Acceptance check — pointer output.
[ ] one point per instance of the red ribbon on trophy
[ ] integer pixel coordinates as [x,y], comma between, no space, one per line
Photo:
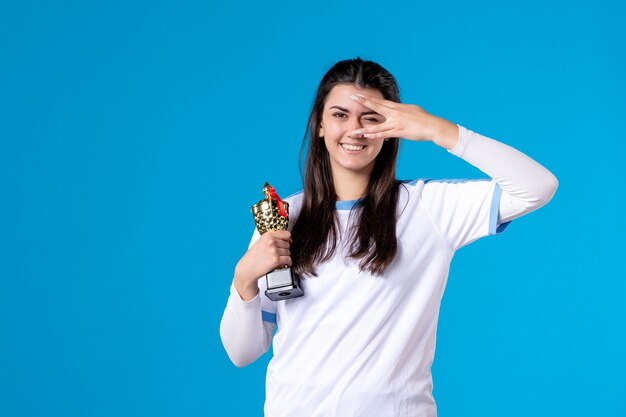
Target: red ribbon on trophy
[271,194]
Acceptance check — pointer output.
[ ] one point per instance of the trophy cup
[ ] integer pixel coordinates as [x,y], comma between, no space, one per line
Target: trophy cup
[272,213]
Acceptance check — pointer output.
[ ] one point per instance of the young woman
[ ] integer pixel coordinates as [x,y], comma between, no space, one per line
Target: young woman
[374,253]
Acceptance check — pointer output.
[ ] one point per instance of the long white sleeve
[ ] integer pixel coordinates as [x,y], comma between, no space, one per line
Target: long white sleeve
[526,185]
[244,334]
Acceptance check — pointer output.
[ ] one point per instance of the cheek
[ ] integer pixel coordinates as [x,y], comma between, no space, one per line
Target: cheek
[377,146]
[332,130]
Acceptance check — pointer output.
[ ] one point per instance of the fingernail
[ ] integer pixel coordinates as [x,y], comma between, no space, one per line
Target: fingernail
[357,132]
[353,97]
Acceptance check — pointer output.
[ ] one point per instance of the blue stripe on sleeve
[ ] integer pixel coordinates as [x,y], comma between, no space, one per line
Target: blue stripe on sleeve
[494,228]
[268,317]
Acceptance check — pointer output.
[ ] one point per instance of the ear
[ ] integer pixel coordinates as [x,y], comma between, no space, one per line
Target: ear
[321,134]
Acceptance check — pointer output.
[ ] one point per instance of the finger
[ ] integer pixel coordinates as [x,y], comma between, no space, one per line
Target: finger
[383,127]
[376,104]
[284,260]
[378,108]
[283,251]
[281,234]
[280,243]
[381,135]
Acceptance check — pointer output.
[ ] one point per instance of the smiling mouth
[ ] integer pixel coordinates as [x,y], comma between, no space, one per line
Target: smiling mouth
[352,147]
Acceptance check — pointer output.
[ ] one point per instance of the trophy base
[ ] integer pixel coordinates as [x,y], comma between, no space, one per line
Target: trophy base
[283,284]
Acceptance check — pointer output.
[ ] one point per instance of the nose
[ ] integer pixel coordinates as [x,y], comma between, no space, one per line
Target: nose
[354,126]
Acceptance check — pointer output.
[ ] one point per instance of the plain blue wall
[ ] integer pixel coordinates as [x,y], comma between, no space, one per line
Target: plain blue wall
[136,136]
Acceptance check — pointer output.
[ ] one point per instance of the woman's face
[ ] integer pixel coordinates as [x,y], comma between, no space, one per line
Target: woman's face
[341,116]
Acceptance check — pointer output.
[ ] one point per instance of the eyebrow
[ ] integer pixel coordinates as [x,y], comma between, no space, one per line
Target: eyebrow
[348,111]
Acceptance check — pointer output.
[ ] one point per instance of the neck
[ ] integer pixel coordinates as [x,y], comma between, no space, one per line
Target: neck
[350,185]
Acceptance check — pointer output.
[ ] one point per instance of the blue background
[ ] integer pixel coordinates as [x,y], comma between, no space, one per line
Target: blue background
[136,136]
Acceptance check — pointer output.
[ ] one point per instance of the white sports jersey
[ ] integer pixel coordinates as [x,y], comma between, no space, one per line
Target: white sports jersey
[357,344]
[363,345]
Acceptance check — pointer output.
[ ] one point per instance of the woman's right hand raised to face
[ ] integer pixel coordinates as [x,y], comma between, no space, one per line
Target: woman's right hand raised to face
[269,252]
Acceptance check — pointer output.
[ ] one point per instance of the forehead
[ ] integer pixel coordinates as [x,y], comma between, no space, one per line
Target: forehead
[340,94]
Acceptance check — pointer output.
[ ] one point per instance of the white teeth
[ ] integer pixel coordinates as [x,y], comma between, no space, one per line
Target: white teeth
[352,147]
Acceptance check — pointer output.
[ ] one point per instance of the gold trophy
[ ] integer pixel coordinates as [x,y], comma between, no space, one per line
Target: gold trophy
[272,213]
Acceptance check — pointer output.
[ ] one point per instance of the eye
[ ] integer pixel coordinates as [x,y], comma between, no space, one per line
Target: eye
[371,119]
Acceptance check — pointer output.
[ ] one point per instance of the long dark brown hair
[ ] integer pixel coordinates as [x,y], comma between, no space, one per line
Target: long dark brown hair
[315,233]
